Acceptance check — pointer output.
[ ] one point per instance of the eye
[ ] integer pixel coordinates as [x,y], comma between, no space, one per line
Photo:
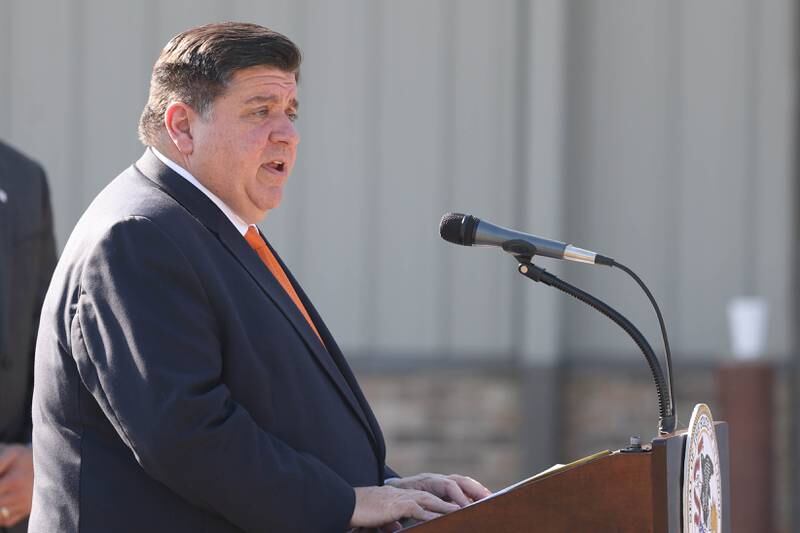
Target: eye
[261,112]
[292,115]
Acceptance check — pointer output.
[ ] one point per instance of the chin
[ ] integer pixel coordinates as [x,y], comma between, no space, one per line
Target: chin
[272,201]
[265,202]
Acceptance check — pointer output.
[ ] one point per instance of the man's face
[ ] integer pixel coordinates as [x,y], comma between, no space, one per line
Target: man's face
[245,149]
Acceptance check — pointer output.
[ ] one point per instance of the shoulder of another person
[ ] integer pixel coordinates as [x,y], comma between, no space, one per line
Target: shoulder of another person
[19,164]
[21,178]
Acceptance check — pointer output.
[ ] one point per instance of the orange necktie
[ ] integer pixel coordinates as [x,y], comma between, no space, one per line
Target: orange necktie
[258,244]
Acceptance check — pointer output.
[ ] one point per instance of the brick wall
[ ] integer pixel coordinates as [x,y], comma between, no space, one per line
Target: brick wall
[469,420]
[449,421]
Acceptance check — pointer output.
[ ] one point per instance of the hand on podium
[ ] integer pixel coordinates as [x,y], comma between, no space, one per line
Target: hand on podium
[16,483]
[461,490]
[422,497]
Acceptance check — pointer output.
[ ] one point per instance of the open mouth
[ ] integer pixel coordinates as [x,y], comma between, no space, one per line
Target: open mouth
[277,164]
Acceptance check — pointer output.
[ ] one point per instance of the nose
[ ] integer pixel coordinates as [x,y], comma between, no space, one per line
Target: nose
[285,132]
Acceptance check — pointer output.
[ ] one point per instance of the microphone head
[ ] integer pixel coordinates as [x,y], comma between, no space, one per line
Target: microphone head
[458,228]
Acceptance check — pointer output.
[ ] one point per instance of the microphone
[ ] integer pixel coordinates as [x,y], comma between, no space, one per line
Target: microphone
[468,230]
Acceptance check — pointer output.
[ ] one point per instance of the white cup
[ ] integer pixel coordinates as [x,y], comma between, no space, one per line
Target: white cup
[747,323]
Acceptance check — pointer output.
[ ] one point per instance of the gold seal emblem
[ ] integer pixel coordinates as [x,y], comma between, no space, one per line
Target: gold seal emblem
[702,488]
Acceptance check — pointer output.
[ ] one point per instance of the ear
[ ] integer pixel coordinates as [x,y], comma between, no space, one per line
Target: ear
[178,121]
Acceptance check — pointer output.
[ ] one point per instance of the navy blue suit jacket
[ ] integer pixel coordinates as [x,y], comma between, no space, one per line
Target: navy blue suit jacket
[178,388]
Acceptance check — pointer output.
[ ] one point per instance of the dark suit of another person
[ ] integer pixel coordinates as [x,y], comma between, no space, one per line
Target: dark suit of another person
[177,374]
[27,259]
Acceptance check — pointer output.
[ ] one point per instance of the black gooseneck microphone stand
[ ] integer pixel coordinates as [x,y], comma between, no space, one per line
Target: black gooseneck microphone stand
[524,253]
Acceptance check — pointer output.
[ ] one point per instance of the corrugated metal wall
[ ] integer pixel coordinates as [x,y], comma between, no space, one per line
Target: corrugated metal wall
[657,132]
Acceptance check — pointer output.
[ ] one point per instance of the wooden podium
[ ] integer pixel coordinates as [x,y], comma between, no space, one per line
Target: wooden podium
[613,491]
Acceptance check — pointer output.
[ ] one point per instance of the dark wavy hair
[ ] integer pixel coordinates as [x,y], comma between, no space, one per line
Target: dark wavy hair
[196,65]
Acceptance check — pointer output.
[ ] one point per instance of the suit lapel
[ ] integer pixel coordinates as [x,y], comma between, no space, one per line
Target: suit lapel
[202,208]
[5,256]
[368,418]
[252,263]
[329,356]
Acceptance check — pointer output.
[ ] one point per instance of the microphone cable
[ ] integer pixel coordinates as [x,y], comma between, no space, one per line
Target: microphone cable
[668,354]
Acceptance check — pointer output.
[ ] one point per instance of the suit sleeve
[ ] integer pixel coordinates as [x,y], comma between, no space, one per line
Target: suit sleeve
[46,263]
[388,473]
[148,349]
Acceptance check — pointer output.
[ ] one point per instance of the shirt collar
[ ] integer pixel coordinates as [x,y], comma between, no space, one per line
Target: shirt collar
[235,219]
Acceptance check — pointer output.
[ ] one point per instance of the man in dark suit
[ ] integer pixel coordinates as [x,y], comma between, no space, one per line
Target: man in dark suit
[184,381]
[27,259]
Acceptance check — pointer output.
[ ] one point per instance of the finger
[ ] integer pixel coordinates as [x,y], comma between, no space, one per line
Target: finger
[15,519]
[16,504]
[6,459]
[420,513]
[6,488]
[471,488]
[451,489]
[434,503]
[391,528]
[8,500]
[7,515]
[10,486]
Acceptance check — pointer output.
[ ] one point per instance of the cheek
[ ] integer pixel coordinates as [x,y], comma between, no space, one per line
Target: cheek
[253,144]
[218,147]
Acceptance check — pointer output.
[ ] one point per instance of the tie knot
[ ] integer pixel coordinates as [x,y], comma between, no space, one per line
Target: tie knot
[254,239]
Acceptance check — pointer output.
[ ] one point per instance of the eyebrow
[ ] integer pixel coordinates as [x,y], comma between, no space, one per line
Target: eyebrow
[270,100]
